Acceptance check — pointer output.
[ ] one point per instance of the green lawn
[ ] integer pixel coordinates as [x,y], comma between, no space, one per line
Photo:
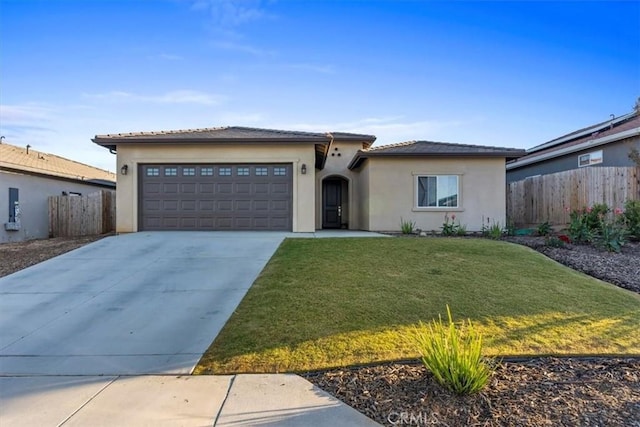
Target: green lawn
[323,303]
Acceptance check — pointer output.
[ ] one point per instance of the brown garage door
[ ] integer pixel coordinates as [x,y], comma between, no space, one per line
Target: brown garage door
[215,197]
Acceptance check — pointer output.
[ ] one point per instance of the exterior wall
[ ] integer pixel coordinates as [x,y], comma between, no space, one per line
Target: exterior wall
[613,154]
[393,191]
[34,192]
[363,199]
[135,154]
[338,158]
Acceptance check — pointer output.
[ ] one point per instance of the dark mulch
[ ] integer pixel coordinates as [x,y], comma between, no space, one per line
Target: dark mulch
[621,269]
[536,392]
[19,255]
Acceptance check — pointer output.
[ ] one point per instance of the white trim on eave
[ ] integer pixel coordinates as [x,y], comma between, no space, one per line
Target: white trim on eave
[574,148]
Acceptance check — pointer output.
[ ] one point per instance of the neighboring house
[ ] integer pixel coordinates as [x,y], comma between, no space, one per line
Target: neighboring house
[605,144]
[236,178]
[27,179]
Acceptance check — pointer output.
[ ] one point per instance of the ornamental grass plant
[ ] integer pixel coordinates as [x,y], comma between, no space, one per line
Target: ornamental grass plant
[454,354]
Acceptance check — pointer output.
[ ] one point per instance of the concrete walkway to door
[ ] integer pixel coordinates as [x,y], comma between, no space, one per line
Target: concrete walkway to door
[109,333]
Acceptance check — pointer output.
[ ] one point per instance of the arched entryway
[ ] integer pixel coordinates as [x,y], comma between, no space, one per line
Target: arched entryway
[335,202]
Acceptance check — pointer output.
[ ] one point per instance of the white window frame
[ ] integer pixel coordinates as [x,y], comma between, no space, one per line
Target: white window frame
[437,208]
[589,159]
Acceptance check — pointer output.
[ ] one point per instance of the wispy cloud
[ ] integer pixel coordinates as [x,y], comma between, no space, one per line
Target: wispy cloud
[231,13]
[17,114]
[166,57]
[173,97]
[388,129]
[242,48]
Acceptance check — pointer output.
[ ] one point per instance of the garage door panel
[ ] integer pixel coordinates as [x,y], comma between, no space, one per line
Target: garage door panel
[216,197]
[205,188]
[188,188]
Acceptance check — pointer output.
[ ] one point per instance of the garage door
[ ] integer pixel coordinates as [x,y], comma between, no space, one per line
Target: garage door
[216,197]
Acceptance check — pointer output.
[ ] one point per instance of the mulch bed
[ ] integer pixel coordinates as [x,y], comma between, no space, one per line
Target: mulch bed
[536,392]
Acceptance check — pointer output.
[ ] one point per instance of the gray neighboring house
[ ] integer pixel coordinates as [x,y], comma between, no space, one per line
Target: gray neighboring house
[27,179]
[604,144]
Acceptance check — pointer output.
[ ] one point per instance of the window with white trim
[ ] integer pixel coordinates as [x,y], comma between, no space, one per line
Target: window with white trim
[589,159]
[438,191]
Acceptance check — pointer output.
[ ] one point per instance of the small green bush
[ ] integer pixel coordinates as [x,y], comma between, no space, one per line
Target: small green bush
[631,218]
[579,230]
[454,356]
[407,227]
[450,228]
[612,236]
[595,215]
[554,242]
[544,229]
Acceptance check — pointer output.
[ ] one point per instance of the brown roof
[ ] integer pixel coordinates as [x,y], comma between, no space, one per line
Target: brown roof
[17,159]
[600,130]
[434,149]
[234,134]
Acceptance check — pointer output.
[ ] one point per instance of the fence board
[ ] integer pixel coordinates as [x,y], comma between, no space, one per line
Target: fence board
[71,216]
[548,197]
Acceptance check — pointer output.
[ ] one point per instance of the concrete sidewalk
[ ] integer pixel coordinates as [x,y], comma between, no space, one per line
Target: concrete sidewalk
[229,400]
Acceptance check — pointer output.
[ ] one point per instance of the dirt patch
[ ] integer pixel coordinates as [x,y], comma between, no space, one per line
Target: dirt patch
[536,392]
[20,255]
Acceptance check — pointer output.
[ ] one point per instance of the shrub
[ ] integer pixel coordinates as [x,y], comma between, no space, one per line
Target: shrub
[631,218]
[450,228]
[544,229]
[454,356]
[407,227]
[594,216]
[579,230]
[612,236]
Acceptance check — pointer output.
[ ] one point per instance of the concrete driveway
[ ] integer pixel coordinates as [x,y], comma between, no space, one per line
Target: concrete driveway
[141,303]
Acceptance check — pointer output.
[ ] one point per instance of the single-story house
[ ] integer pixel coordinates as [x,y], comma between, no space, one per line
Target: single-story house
[238,178]
[27,179]
[608,143]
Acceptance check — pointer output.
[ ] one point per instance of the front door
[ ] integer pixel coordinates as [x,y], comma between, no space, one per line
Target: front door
[331,203]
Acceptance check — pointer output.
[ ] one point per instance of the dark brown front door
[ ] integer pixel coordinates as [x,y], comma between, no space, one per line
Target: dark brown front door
[331,203]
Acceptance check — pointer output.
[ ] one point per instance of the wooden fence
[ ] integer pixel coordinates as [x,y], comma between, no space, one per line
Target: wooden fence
[550,197]
[82,215]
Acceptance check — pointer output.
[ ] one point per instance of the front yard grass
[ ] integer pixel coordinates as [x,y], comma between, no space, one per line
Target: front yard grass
[323,303]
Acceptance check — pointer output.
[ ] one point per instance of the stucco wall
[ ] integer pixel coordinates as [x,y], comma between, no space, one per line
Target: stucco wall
[135,154]
[614,154]
[393,189]
[34,192]
[338,158]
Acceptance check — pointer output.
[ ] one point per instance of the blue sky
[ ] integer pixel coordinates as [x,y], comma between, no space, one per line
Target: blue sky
[503,73]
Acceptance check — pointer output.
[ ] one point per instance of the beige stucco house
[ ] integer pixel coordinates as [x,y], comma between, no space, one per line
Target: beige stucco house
[237,178]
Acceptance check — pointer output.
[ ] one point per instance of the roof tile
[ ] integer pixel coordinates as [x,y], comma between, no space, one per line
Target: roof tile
[17,158]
